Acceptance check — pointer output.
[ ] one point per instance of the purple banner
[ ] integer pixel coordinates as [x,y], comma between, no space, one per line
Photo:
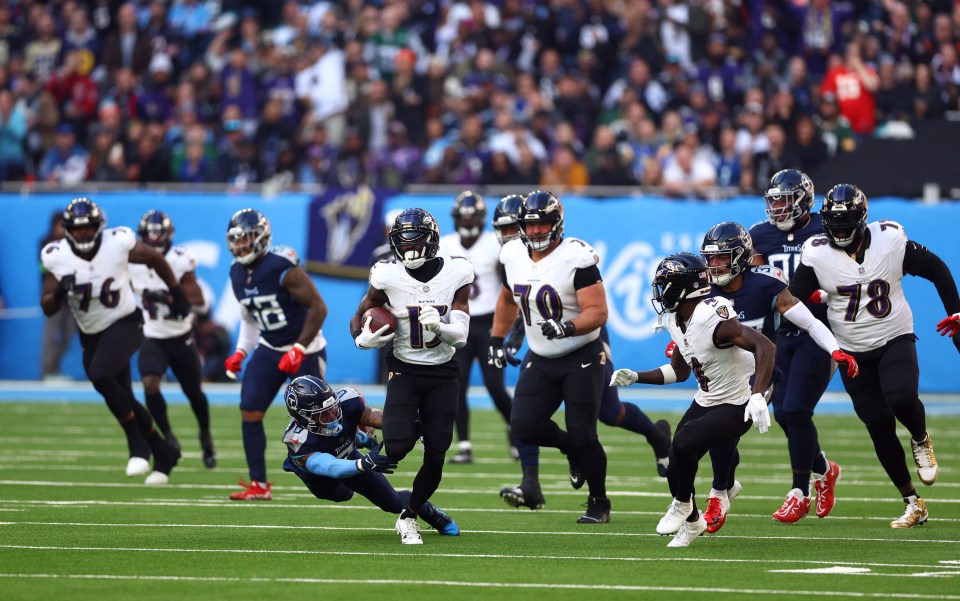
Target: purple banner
[345,226]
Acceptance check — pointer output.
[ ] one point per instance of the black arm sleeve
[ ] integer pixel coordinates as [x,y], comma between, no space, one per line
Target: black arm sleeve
[919,261]
[586,276]
[804,282]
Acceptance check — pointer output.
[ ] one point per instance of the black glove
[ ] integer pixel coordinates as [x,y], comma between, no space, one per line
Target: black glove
[495,353]
[179,305]
[554,329]
[64,286]
[156,296]
[514,342]
[375,462]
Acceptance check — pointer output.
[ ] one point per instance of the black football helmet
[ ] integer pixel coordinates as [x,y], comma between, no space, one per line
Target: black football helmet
[732,242]
[540,206]
[789,198]
[679,277]
[844,215]
[314,405]
[469,214]
[415,237]
[83,224]
[248,235]
[505,218]
[156,229]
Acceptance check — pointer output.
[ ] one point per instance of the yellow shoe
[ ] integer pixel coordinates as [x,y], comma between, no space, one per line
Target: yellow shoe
[915,514]
[923,456]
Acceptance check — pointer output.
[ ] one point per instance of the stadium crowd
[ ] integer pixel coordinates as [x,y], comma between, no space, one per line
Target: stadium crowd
[561,93]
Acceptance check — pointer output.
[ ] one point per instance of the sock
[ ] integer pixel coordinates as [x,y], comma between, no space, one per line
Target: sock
[801,480]
[158,409]
[720,494]
[694,514]
[408,513]
[637,421]
[136,444]
[255,447]
[911,498]
[464,446]
[531,476]
[529,454]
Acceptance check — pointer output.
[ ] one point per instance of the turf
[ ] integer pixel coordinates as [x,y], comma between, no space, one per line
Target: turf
[73,526]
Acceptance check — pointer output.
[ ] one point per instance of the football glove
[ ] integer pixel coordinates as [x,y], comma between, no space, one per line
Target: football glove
[430,318]
[513,343]
[179,305]
[496,356]
[367,339]
[291,360]
[852,368]
[554,329]
[234,363]
[156,296]
[818,297]
[950,325]
[375,462]
[64,286]
[623,377]
[756,410]
[365,440]
[670,348]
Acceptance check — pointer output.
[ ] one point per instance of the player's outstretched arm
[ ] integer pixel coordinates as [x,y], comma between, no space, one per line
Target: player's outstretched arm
[303,290]
[919,261]
[731,331]
[504,316]
[152,258]
[798,313]
[676,370]
[192,289]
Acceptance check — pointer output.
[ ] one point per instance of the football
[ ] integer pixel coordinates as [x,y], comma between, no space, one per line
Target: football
[379,317]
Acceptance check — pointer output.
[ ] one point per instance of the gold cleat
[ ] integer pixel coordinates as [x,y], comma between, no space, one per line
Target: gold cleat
[926,461]
[915,514]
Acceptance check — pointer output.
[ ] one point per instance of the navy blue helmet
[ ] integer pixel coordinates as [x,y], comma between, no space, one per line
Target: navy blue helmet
[469,214]
[844,215]
[314,405]
[156,229]
[541,206]
[679,277]
[248,235]
[788,199]
[731,243]
[505,218]
[415,237]
[83,214]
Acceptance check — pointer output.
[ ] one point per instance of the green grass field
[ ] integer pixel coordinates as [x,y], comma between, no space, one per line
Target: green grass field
[72,526]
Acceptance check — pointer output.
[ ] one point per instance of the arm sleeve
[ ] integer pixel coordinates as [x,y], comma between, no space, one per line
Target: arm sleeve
[249,332]
[804,282]
[455,332]
[801,316]
[324,464]
[919,261]
[586,276]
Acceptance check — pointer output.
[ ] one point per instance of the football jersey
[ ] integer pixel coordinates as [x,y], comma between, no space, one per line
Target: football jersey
[866,304]
[102,294]
[301,441]
[414,343]
[157,319]
[723,374]
[260,291]
[484,255]
[756,298]
[544,290]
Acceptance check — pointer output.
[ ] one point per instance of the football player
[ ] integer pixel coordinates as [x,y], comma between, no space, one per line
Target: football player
[282,313]
[482,250]
[761,298]
[722,354]
[429,296]
[861,267]
[322,450]
[87,269]
[168,338]
[554,283]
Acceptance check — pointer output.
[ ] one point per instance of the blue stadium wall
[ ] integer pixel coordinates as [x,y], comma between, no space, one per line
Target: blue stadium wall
[631,236]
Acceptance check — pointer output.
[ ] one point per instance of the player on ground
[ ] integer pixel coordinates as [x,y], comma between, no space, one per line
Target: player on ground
[88,269]
[168,338]
[722,354]
[282,313]
[429,296]
[322,450]
[861,267]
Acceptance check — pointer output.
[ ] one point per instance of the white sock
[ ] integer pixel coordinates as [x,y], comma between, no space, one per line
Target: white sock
[465,446]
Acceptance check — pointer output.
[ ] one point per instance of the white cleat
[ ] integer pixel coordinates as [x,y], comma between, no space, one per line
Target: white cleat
[409,531]
[923,456]
[734,491]
[689,532]
[157,479]
[673,520]
[137,466]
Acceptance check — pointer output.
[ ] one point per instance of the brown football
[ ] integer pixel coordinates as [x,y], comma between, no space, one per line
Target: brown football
[379,317]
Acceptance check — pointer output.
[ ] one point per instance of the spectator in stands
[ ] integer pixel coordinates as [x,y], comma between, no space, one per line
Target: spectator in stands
[776,158]
[398,163]
[66,162]
[854,84]
[75,91]
[42,53]
[720,73]
[808,146]
[929,99]
[13,133]
[728,161]
[126,47]
[687,173]
[834,127]
[81,37]
[893,96]
[154,103]
[191,21]
[565,171]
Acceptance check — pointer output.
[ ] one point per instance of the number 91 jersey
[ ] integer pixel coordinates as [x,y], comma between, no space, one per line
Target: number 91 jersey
[545,290]
[102,294]
[158,323]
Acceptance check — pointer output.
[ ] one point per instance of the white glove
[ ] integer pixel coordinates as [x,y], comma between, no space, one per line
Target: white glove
[756,410]
[368,339]
[430,318]
[623,377]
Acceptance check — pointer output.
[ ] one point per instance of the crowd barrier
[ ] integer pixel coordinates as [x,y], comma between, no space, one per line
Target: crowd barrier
[631,235]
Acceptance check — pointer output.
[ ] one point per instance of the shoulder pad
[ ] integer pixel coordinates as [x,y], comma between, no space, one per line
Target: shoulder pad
[585,255]
[287,253]
[182,256]
[889,227]
[348,393]
[758,224]
[50,255]
[295,436]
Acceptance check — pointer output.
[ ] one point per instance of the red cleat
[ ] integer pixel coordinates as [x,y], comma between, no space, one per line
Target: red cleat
[824,489]
[715,515]
[255,491]
[795,507]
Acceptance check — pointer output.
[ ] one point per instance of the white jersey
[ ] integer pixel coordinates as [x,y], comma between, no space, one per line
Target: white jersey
[485,257]
[544,290]
[723,374]
[102,294]
[157,319]
[866,305]
[414,343]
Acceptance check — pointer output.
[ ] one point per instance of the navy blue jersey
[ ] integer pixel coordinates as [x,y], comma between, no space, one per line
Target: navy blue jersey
[260,291]
[754,302]
[301,442]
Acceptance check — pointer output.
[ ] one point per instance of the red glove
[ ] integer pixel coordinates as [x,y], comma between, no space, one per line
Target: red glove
[669,351]
[291,361]
[818,297]
[852,368]
[950,325]
[234,363]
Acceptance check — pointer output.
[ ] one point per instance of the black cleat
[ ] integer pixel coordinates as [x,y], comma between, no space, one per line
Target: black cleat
[437,519]
[598,511]
[171,439]
[209,453]
[577,479]
[516,496]
[661,446]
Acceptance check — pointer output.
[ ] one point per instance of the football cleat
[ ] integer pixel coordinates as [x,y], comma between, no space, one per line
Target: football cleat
[409,531]
[688,532]
[209,453]
[676,516]
[464,456]
[661,447]
[795,507]
[517,496]
[255,491]
[734,491]
[598,511]
[926,461]
[137,466]
[576,476]
[157,479]
[716,513]
[914,514]
[171,439]
[438,520]
[824,488]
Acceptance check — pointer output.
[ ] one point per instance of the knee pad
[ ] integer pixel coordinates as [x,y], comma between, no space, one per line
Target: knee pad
[398,448]
[521,428]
